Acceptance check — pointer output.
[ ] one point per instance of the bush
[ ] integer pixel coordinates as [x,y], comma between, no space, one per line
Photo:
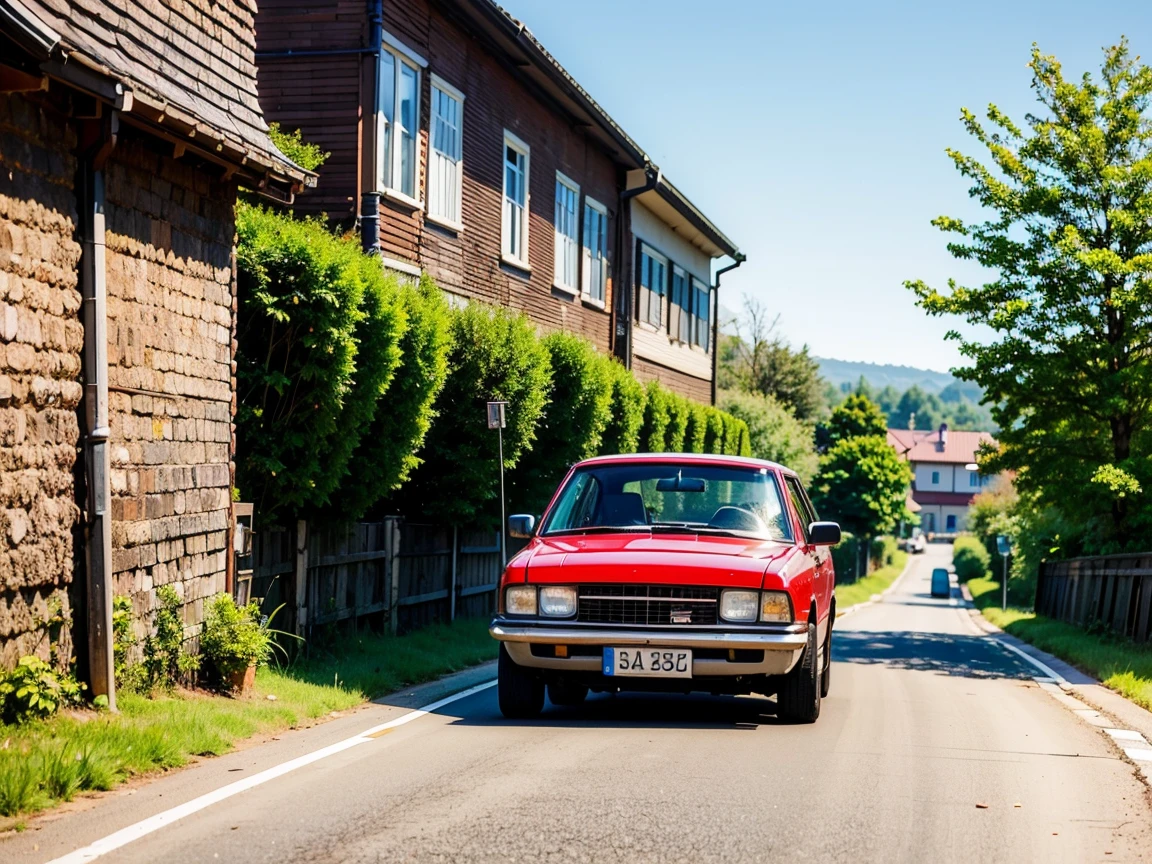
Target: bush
[626,412]
[572,423]
[33,691]
[774,433]
[679,411]
[654,432]
[319,327]
[130,676]
[970,558]
[235,637]
[883,552]
[305,154]
[733,429]
[696,432]
[846,558]
[495,355]
[714,430]
[388,451]
[164,659]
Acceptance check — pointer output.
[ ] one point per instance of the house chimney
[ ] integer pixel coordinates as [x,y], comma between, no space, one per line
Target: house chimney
[942,443]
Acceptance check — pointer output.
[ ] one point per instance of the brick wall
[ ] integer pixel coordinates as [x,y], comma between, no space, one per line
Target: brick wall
[41,340]
[170,296]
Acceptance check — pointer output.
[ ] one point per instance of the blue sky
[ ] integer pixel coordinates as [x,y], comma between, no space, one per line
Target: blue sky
[813,134]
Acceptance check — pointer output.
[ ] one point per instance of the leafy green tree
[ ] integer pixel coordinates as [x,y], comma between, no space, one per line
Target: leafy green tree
[774,433]
[1070,239]
[626,412]
[863,484]
[319,328]
[495,356]
[856,416]
[572,424]
[389,449]
[760,360]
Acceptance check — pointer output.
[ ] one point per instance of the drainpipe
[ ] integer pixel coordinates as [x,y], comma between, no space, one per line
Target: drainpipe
[370,201]
[737,259]
[101,135]
[622,330]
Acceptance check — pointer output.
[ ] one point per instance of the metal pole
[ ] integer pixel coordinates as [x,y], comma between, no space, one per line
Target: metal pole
[1004,602]
[503,519]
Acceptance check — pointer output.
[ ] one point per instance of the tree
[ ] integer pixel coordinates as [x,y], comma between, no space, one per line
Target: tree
[863,484]
[774,433]
[495,356]
[855,417]
[760,360]
[1070,239]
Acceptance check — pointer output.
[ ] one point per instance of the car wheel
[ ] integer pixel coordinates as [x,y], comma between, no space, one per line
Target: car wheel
[826,675]
[566,692]
[520,690]
[798,700]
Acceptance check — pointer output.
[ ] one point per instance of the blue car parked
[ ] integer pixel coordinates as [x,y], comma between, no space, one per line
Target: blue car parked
[941,587]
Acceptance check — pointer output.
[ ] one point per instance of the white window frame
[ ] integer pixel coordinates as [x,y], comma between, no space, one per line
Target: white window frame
[566,249]
[451,220]
[506,254]
[586,287]
[389,158]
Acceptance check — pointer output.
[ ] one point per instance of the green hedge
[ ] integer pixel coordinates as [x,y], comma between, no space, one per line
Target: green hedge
[319,330]
[495,355]
[657,416]
[572,424]
[626,411]
[970,558]
[883,552]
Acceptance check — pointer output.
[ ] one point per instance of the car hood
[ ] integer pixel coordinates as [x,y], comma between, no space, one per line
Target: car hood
[662,559]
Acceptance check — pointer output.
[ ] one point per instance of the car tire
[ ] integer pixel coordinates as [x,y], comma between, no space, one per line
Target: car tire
[520,690]
[798,699]
[826,675]
[565,692]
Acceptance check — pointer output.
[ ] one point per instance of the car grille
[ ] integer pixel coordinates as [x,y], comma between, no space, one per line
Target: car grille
[659,605]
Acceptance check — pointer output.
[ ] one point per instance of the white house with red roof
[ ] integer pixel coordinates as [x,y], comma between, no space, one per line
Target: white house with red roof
[943,485]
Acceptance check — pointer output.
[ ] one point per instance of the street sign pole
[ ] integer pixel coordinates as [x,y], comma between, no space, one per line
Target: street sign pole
[1004,547]
[496,421]
[1004,600]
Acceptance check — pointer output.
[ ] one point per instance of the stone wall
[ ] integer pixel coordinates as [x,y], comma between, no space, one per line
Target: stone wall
[171,227]
[41,339]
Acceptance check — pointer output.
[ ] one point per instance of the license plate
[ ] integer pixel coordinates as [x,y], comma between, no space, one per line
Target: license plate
[648,662]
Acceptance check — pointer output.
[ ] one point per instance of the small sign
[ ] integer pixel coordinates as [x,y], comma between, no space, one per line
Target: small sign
[496,415]
[1003,545]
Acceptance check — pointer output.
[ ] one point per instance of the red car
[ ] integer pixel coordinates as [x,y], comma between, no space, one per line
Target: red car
[670,572]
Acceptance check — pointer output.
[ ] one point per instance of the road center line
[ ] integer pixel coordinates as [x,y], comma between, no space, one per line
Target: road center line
[154,823]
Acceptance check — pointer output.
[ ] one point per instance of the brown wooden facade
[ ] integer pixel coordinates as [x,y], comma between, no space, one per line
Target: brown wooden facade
[320,70]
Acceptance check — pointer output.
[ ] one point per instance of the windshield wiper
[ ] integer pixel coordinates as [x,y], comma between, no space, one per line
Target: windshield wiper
[601,529]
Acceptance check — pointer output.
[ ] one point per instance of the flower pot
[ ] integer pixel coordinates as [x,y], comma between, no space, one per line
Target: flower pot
[241,680]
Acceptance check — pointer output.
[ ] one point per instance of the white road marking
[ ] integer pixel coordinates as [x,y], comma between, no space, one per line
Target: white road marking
[1138,754]
[154,823]
[1126,735]
[1047,670]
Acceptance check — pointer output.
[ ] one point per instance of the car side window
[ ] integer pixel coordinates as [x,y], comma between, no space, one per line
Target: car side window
[800,502]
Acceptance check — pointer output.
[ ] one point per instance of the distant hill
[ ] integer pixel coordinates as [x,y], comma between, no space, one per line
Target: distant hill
[880,376]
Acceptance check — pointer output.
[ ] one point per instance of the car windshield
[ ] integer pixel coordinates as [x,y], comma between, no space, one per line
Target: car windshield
[671,497]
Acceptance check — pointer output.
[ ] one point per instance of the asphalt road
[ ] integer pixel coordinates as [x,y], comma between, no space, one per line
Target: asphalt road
[926,720]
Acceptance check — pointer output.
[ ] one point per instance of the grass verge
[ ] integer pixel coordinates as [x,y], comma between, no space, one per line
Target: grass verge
[1120,664]
[43,763]
[874,583]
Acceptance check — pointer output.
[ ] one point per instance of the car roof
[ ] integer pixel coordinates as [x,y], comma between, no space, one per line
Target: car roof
[685,459]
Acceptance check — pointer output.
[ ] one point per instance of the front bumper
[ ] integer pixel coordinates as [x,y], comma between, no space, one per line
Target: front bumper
[782,645]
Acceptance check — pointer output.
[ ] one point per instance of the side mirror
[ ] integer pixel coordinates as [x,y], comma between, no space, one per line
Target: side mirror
[521,525]
[824,533]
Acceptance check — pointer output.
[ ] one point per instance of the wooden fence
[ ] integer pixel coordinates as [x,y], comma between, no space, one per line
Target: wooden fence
[1115,590]
[405,574]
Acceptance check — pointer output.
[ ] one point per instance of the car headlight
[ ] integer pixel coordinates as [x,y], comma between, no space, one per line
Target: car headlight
[739,605]
[776,607]
[558,601]
[520,600]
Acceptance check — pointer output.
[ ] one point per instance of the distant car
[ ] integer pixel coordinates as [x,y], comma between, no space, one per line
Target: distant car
[941,584]
[670,572]
[918,545]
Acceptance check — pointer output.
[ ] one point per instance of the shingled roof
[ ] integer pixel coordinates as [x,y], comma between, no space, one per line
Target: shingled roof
[185,65]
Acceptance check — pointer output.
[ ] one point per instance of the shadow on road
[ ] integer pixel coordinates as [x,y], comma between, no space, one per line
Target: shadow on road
[944,654]
[647,710]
